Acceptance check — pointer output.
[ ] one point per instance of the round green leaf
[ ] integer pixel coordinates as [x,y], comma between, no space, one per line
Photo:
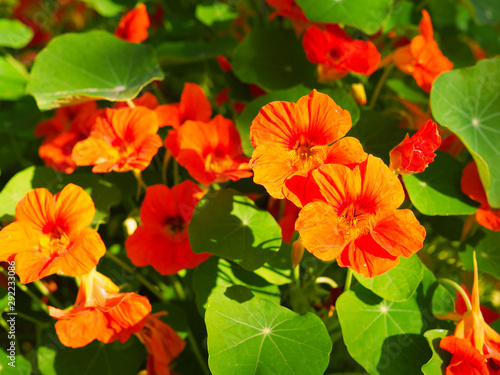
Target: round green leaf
[258,336]
[110,8]
[487,11]
[436,191]
[94,65]
[397,284]
[386,337]
[273,59]
[213,13]
[13,76]
[486,244]
[218,273]
[14,33]
[18,366]
[467,101]
[440,358]
[231,226]
[367,15]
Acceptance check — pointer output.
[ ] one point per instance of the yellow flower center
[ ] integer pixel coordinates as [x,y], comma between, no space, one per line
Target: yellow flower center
[354,221]
[55,241]
[306,158]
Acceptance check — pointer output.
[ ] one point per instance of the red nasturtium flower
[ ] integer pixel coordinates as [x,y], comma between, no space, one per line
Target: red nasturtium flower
[100,313]
[194,105]
[69,126]
[358,222]
[414,154]
[475,346]
[422,58]
[121,140]
[162,240]
[162,343]
[211,152]
[337,53]
[290,9]
[293,139]
[472,186]
[50,236]
[133,26]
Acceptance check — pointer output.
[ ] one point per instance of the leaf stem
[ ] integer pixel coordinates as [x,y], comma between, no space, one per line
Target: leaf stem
[166,159]
[459,289]
[380,84]
[327,280]
[348,280]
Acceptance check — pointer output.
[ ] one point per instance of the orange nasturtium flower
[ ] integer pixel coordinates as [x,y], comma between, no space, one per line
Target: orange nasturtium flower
[414,154]
[337,53]
[211,152]
[293,139]
[162,240]
[148,100]
[472,186]
[50,236]
[100,313]
[122,140]
[133,26]
[475,346]
[422,58]
[194,105]
[358,222]
[162,343]
[69,126]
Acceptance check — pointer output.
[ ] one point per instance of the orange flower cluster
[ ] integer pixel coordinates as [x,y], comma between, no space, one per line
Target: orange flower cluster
[162,240]
[338,54]
[472,186]
[49,235]
[475,346]
[422,58]
[209,149]
[349,199]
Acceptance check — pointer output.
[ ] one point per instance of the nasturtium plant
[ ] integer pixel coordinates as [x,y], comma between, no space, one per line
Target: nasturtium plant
[249,187]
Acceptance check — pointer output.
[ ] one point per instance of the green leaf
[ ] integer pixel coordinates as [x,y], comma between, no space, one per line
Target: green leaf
[172,53]
[486,244]
[110,8]
[18,366]
[406,92]
[13,76]
[216,273]
[400,15]
[88,66]
[103,193]
[216,12]
[273,59]
[436,191]
[378,133]
[467,101]
[278,270]
[14,33]
[366,15]
[19,119]
[487,11]
[382,336]
[258,336]
[231,226]
[399,283]
[440,358]
[443,299]
[96,358]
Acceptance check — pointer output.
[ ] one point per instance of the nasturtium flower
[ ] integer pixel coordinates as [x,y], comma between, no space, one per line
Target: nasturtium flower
[211,152]
[121,140]
[475,346]
[148,100]
[293,139]
[50,235]
[162,240]
[100,313]
[290,9]
[357,222]
[337,53]
[133,26]
[162,343]
[414,154]
[472,186]
[194,106]
[422,58]
[461,307]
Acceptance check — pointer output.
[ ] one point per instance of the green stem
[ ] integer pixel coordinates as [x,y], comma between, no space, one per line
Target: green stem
[348,280]
[176,173]
[166,159]
[327,280]
[43,289]
[179,290]
[28,292]
[141,278]
[459,289]
[30,319]
[380,84]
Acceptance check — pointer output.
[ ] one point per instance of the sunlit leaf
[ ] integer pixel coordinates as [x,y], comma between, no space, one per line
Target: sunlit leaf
[13,78]
[440,358]
[13,366]
[486,244]
[257,336]
[216,12]
[14,33]
[110,8]
[94,65]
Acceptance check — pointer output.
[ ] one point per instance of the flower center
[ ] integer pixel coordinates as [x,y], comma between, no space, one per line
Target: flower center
[174,225]
[354,221]
[306,158]
[219,163]
[55,239]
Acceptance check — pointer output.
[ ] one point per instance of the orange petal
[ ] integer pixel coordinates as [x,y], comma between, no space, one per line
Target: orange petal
[81,329]
[194,105]
[133,26]
[74,208]
[425,26]
[36,208]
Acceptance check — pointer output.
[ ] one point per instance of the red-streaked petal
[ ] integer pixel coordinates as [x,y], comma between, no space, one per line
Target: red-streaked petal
[74,208]
[36,208]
